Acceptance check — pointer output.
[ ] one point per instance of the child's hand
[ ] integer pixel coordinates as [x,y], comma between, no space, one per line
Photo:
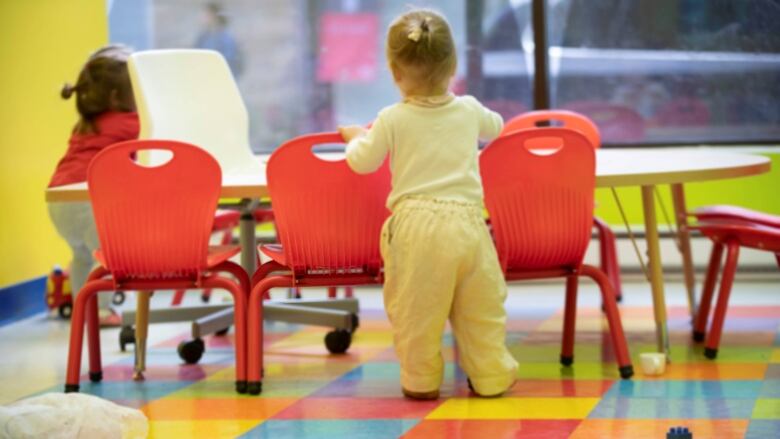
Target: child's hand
[350,132]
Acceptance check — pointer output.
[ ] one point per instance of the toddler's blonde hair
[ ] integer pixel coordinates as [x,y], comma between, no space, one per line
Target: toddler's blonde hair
[420,44]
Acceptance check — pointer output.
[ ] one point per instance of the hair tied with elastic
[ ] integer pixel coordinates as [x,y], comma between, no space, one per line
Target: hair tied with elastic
[67,91]
[417,32]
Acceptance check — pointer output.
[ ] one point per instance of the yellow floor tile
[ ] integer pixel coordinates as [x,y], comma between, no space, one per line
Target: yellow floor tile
[213,429]
[514,408]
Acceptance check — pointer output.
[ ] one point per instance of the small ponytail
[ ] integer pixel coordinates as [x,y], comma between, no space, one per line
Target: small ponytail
[67,90]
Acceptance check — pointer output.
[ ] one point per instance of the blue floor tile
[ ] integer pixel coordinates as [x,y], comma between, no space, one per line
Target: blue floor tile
[335,429]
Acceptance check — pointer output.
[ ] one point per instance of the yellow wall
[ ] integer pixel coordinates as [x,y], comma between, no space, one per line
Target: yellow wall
[42,44]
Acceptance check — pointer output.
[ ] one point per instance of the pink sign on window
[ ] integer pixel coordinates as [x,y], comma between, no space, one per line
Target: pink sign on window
[348,48]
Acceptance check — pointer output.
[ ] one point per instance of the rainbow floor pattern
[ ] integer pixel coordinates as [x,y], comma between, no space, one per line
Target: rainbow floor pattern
[308,393]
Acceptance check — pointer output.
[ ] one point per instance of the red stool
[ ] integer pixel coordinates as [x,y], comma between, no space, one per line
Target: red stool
[730,237]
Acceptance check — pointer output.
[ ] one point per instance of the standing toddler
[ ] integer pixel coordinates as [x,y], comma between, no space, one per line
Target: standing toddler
[440,262]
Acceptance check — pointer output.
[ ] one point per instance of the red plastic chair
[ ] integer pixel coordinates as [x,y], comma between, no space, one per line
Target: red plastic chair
[607,243]
[154,225]
[339,248]
[224,222]
[735,215]
[541,208]
[731,237]
[617,123]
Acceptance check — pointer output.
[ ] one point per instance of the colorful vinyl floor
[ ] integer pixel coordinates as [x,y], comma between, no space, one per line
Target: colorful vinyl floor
[310,394]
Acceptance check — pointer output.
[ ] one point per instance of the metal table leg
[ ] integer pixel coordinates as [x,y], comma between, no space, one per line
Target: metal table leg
[141,330]
[684,239]
[656,269]
[247,236]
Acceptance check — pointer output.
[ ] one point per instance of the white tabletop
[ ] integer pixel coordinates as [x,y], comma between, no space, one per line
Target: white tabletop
[614,167]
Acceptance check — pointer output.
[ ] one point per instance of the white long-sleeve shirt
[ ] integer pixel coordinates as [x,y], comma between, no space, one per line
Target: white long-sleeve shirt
[433,150]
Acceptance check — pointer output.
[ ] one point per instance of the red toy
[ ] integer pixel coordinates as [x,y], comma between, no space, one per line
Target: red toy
[58,292]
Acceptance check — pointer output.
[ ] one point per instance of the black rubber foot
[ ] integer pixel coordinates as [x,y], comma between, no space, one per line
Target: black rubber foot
[205,298]
[96,377]
[626,372]
[71,388]
[698,336]
[241,386]
[567,361]
[619,298]
[191,351]
[222,332]
[710,353]
[254,387]
[126,337]
[338,341]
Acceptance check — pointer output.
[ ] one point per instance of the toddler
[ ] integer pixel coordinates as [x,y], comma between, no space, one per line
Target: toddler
[104,100]
[440,262]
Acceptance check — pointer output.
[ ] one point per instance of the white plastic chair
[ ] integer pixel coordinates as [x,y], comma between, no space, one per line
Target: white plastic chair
[190,95]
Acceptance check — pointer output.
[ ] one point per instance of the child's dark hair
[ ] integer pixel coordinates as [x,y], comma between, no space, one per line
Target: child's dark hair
[103,85]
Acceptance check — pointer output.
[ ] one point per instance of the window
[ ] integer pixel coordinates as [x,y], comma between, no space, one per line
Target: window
[647,71]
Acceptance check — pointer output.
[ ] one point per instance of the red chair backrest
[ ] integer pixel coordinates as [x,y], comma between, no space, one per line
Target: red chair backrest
[566,119]
[617,123]
[327,216]
[541,206]
[154,222]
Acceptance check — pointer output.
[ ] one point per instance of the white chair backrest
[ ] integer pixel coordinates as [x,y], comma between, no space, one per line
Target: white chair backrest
[190,95]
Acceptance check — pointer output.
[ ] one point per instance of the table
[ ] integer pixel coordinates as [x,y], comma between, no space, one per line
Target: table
[646,168]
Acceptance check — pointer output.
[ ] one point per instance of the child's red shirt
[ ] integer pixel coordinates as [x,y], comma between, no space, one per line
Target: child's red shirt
[112,127]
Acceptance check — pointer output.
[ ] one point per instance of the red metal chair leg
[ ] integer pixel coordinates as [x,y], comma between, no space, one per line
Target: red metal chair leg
[777,256]
[608,260]
[239,322]
[93,340]
[238,272]
[255,329]
[332,292]
[349,292]
[93,330]
[569,320]
[703,313]
[77,321]
[613,318]
[716,327]
[178,296]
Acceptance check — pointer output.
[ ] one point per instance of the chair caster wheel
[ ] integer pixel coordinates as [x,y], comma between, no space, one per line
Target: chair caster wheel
[338,341]
[126,337]
[118,298]
[71,388]
[710,353]
[241,386]
[698,336]
[65,310]
[254,387]
[191,351]
[96,377]
[626,372]
[567,361]
[222,332]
